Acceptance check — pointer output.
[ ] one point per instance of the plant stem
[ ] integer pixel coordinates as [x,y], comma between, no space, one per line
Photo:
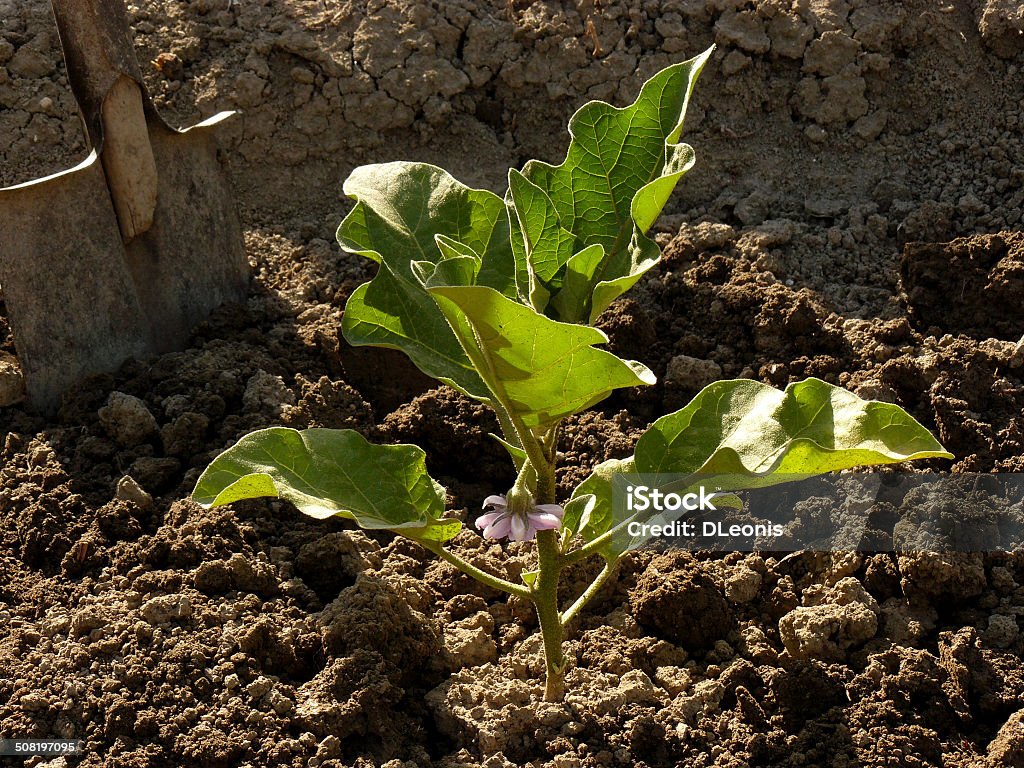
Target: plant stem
[590,548]
[537,457]
[507,430]
[545,600]
[549,557]
[550,442]
[589,592]
[471,570]
[544,594]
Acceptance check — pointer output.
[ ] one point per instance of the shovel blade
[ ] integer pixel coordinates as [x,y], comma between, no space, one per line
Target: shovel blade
[71,303]
[80,301]
[192,259]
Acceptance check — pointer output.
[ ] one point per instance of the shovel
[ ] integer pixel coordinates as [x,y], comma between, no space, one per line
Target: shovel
[122,255]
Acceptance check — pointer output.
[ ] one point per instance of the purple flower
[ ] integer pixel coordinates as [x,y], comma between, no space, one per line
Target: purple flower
[500,522]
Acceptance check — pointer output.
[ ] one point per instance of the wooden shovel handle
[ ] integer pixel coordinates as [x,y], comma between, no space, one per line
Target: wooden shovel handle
[98,50]
[107,83]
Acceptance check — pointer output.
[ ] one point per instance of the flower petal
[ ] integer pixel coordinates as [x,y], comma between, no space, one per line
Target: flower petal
[494,501]
[551,509]
[544,521]
[498,529]
[489,519]
[520,529]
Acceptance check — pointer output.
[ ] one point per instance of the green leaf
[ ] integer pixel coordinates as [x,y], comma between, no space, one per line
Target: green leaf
[606,291]
[750,431]
[599,485]
[453,249]
[621,167]
[460,270]
[743,434]
[536,367]
[327,472]
[401,210]
[611,523]
[577,513]
[546,244]
[389,312]
[727,501]
[517,454]
[460,265]
[577,286]
[582,298]
[402,207]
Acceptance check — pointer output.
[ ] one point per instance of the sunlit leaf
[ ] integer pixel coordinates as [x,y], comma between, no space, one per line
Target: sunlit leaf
[327,472]
[742,434]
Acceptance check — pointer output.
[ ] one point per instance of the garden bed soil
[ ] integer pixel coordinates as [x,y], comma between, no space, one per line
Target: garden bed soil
[828,134]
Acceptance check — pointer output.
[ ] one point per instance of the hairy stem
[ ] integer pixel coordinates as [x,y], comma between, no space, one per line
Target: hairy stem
[471,570]
[545,600]
[544,594]
[537,457]
[588,594]
[589,549]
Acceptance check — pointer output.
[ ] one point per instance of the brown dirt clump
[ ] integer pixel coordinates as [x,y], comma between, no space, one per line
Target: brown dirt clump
[674,599]
[970,286]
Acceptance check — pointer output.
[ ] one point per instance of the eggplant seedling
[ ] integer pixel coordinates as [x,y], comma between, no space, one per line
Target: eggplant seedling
[496,297]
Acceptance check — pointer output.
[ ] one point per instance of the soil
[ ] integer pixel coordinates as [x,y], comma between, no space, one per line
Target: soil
[830,134]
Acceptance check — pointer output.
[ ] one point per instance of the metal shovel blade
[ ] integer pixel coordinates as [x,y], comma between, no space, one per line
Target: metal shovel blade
[70,299]
[122,255]
[192,259]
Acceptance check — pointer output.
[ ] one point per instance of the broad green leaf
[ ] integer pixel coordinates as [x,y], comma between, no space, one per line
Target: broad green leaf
[746,429]
[401,210]
[547,245]
[742,434]
[574,296]
[327,472]
[598,484]
[536,367]
[621,167]
[402,207]
[389,312]
[577,513]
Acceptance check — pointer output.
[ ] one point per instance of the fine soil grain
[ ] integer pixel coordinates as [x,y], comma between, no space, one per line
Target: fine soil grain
[841,146]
